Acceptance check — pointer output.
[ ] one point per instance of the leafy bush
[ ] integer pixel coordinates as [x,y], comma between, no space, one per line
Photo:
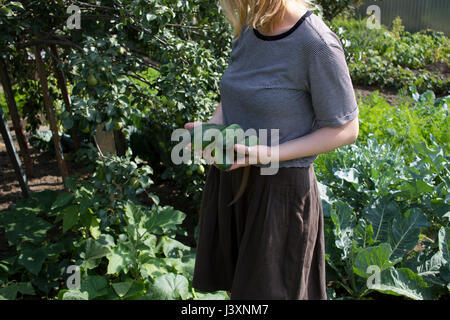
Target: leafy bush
[152,142]
[334,8]
[395,59]
[121,248]
[42,141]
[409,122]
[386,202]
[378,208]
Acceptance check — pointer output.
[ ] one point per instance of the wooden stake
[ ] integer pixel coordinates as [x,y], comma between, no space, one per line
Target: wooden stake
[15,160]
[15,117]
[51,115]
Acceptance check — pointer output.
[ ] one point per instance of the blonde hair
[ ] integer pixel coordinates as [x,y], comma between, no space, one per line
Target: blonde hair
[262,14]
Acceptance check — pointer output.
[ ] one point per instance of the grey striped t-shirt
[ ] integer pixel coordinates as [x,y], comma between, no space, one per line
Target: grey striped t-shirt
[296,81]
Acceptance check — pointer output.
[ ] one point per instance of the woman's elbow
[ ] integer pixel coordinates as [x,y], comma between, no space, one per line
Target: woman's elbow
[355,131]
[352,129]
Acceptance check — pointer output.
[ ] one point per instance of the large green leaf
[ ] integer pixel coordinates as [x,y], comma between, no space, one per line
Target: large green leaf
[220,295]
[136,290]
[95,286]
[94,251]
[333,255]
[431,270]
[106,240]
[380,214]
[444,243]
[427,264]
[444,251]
[372,256]
[129,289]
[9,292]
[62,200]
[164,219]
[147,247]
[26,288]
[405,232]
[172,248]
[75,295]
[32,258]
[122,288]
[154,268]
[135,219]
[120,258]
[94,227]
[416,188]
[45,199]
[170,287]
[133,212]
[24,225]
[350,175]
[402,282]
[70,218]
[444,272]
[363,234]
[184,266]
[326,201]
[344,223]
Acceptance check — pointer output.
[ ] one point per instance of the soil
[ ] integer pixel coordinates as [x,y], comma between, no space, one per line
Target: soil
[389,94]
[45,176]
[440,67]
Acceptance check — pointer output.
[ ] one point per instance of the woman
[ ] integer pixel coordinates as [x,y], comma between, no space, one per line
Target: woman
[287,71]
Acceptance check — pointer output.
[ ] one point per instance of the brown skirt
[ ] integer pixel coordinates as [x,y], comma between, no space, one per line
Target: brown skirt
[270,243]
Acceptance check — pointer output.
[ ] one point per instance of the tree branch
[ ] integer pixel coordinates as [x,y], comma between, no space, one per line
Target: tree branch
[41,42]
[184,26]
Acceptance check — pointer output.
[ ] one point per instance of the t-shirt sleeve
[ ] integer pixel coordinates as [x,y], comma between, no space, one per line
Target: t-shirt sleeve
[330,86]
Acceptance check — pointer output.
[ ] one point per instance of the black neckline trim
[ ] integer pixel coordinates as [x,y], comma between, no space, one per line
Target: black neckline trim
[286,33]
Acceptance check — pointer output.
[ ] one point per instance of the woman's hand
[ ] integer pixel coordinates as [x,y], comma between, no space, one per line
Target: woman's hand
[190,125]
[258,154]
[203,153]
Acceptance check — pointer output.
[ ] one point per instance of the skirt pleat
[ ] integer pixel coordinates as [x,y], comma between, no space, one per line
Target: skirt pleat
[267,245]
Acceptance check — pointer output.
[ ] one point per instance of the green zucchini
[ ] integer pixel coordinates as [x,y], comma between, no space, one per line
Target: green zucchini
[225,163]
[205,127]
[251,141]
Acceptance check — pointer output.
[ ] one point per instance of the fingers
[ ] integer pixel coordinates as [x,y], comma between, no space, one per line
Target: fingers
[241,148]
[207,155]
[190,125]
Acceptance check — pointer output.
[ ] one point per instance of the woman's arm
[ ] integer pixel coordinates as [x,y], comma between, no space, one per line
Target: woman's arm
[217,117]
[320,141]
